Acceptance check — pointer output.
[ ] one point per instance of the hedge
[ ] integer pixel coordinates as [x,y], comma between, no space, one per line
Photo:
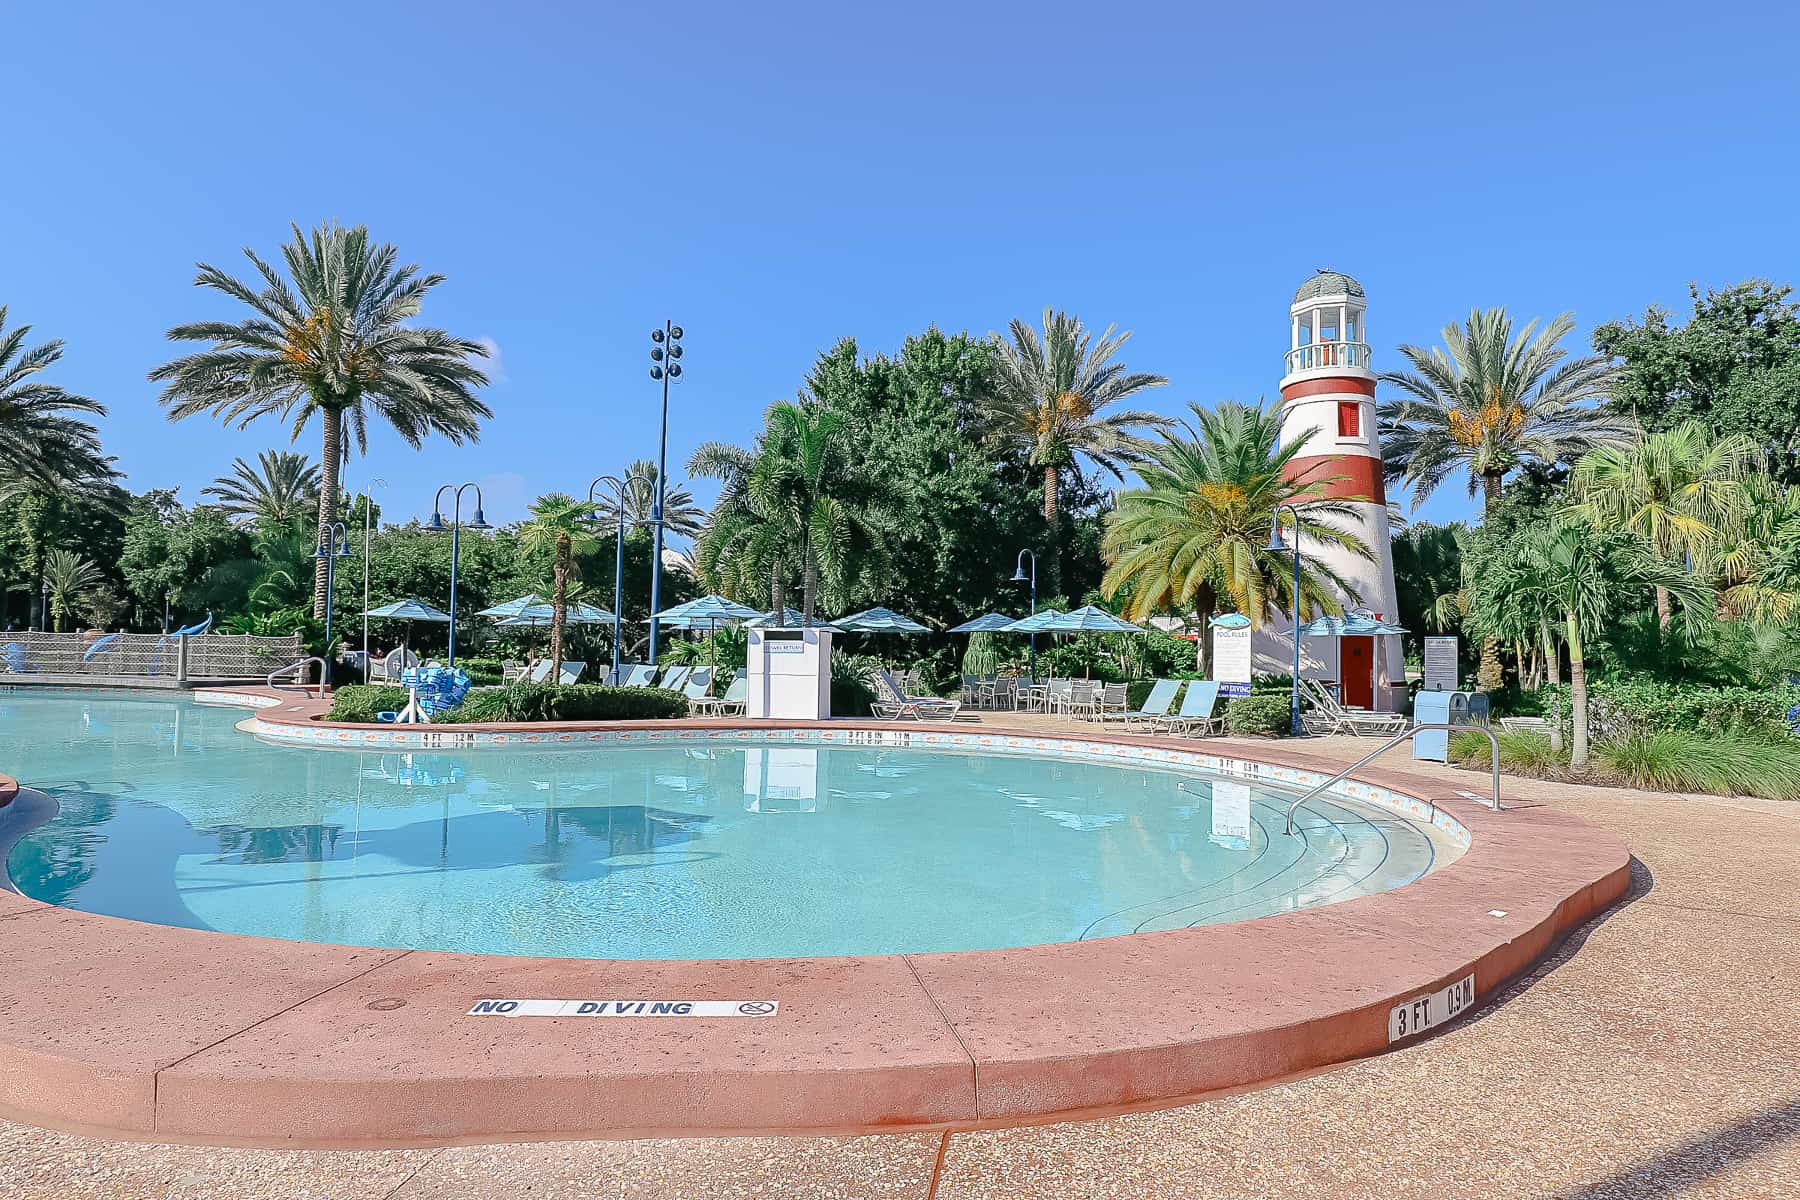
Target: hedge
[521,702]
[1620,708]
[1264,715]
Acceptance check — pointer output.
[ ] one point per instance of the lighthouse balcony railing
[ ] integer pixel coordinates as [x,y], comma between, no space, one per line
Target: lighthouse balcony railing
[1317,356]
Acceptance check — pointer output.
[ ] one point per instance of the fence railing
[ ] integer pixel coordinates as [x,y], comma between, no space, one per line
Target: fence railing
[146,655]
[1320,355]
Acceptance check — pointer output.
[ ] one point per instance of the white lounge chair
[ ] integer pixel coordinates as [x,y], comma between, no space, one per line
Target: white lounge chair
[540,673]
[1329,716]
[571,672]
[675,678]
[699,684]
[735,699]
[892,703]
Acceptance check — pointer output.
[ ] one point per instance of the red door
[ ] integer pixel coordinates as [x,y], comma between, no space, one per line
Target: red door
[1356,672]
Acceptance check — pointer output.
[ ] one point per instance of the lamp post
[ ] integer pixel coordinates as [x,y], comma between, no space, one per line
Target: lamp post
[368,513]
[618,485]
[1019,576]
[1278,546]
[665,367]
[333,546]
[455,526]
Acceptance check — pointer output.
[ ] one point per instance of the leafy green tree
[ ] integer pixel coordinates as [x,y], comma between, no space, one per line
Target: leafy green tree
[282,488]
[1757,555]
[1051,396]
[681,515]
[1197,532]
[43,445]
[1735,366]
[179,559]
[1676,488]
[1489,403]
[71,581]
[563,525]
[331,341]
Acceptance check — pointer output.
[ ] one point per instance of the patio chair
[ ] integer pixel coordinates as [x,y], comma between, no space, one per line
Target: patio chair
[390,666]
[1196,711]
[735,699]
[571,672]
[675,678]
[1110,700]
[540,673]
[1083,699]
[511,672]
[970,690]
[892,702]
[637,674]
[1155,706]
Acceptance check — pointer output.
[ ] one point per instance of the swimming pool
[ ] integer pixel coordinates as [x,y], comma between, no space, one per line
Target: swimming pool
[165,812]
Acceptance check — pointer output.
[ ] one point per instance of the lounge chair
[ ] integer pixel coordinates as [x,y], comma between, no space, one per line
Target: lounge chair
[699,684]
[1196,711]
[735,699]
[571,672]
[675,678]
[16,659]
[892,703]
[1329,716]
[540,673]
[637,674]
[1155,706]
[390,666]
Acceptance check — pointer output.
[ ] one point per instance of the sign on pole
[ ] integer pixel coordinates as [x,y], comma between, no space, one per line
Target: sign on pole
[1440,664]
[1231,659]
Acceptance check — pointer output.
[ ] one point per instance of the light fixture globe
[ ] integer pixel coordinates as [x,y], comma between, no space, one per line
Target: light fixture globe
[656,372]
[656,335]
[675,332]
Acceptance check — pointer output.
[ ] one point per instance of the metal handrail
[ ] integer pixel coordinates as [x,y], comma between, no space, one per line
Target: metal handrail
[1402,736]
[1316,356]
[295,666]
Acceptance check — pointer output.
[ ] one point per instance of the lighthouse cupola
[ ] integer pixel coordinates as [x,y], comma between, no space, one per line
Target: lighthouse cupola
[1328,333]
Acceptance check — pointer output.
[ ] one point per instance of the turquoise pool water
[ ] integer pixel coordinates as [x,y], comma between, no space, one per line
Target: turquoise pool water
[166,813]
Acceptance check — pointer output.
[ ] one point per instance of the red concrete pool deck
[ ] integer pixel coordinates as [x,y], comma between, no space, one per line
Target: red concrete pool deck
[154,1032]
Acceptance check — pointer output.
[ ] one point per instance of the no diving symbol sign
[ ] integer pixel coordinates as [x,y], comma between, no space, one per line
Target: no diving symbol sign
[624,1008]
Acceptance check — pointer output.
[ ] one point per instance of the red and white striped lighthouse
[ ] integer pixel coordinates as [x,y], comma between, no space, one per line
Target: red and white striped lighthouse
[1328,398]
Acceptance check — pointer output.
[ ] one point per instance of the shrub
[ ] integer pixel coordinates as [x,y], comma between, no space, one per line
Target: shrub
[1687,761]
[851,693]
[1520,753]
[1264,716]
[482,672]
[360,701]
[1620,708]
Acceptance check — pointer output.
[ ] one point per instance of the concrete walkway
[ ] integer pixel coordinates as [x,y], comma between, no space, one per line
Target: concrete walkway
[1657,1055]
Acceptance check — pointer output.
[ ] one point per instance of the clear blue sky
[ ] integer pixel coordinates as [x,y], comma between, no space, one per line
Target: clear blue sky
[776,176]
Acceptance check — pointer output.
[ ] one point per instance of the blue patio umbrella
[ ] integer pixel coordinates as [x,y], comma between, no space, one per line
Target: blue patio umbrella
[790,619]
[879,620]
[1032,624]
[409,611]
[707,612]
[1089,618]
[1353,624]
[987,623]
[540,615]
[513,608]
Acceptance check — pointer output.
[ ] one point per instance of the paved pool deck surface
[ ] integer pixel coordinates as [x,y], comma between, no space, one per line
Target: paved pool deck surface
[1656,1054]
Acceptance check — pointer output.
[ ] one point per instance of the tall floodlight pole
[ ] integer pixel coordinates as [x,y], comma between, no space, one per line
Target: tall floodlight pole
[333,546]
[1019,576]
[368,511]
[1277,546]
[619,487]
[455,526]
[665,367]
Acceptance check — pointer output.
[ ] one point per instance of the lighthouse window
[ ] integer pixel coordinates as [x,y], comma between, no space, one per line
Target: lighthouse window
[1349,418]
[1350,328]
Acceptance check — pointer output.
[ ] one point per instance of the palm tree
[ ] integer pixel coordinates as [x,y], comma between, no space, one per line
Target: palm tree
[680,514]
[43,446]
[1757,556]
[1488,402]
[1198,530]
[1050,400]
[329,341]
[1677,489]
[1581,574]
[1506,595]
[565,526]
[279,490]
[69,579]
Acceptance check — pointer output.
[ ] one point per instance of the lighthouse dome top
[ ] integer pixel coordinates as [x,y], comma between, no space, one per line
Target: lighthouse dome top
[1328,283]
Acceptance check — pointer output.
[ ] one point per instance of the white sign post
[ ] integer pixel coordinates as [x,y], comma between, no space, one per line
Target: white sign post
[1231,660]
[1440,664]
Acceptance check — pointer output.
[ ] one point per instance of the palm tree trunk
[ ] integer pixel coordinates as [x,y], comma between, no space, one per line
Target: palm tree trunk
[1489,675]
[1052,560]
[333,421]
[777,593]
[1663,611]
[1578,696]
[559,602]
[809,588]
